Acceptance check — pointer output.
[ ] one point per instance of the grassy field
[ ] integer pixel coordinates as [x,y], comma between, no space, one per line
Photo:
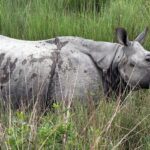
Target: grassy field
[107,126]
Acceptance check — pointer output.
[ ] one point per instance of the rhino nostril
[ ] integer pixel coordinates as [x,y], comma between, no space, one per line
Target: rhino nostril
[147,57]
[126,78]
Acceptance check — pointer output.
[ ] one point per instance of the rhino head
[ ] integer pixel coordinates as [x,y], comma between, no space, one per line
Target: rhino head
[123,65]
[134,67]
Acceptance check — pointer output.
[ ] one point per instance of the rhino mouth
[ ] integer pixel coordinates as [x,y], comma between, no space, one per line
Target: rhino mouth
[144,86]
[143,83]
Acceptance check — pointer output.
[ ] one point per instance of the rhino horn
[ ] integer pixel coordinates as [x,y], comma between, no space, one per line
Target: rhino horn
[141,37]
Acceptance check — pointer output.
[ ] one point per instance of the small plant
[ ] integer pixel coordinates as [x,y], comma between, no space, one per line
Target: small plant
[17,135]
[51,135]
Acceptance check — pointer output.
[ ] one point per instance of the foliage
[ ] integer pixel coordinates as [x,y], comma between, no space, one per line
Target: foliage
[106,126]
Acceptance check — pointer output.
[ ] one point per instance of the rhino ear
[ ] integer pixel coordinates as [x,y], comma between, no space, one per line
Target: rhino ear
[122,36]
[141,37]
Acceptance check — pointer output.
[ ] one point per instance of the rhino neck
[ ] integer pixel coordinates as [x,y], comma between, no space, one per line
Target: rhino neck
[111,79]
[113,83]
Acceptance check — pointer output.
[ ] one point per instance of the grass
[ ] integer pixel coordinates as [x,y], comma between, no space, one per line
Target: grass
[107,126]
[39,19]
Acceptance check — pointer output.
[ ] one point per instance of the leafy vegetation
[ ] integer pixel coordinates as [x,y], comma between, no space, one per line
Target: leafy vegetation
[105,126]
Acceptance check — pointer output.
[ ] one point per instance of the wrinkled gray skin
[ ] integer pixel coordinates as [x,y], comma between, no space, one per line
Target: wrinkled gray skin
[67,68]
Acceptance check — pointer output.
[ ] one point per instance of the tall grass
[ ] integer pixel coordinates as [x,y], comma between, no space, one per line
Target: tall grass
[107,126]
[42,19]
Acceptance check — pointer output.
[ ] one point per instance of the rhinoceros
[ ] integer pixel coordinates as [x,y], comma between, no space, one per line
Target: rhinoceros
[67,67]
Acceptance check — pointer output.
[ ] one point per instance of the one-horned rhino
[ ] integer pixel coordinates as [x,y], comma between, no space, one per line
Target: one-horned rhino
[67,68]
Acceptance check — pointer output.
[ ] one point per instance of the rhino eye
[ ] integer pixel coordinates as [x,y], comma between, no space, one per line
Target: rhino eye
[132,64]
[147,59]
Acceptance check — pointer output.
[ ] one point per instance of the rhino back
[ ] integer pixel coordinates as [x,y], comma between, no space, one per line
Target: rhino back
[50,70]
